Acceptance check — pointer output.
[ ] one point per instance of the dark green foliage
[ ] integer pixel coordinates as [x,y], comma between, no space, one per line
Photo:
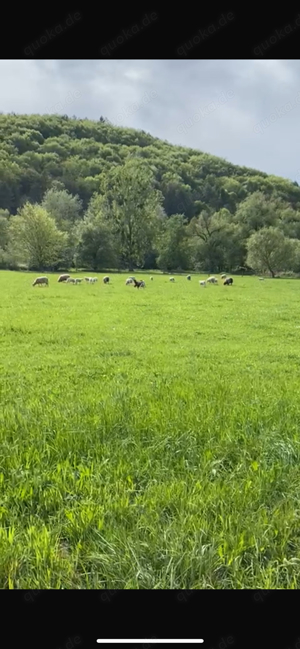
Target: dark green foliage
[96,247]
[172,247]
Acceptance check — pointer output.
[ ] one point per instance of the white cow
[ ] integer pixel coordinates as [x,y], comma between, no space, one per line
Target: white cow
[172,279]
[202,282]
[71,280]
[129,281]
[78,280]
[212,280]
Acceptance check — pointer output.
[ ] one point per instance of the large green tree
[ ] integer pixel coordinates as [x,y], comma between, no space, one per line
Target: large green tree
[62,206]
[133,209]
[66,210]
[270,251]
[214,241]
[35,238]
[203,230]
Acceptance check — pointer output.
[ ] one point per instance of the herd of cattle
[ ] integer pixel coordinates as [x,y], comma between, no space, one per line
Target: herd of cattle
[44,281]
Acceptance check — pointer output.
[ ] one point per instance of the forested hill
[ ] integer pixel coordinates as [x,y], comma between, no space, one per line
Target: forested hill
[75,192]
[37,149]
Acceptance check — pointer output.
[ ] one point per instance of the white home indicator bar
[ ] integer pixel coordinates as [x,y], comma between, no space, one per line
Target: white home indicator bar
[151,641]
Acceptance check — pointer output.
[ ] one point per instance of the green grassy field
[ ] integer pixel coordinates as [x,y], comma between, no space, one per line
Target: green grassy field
[149,438]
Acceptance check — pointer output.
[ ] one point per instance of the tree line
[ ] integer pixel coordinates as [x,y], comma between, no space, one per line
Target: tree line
[76,193]
[126,226]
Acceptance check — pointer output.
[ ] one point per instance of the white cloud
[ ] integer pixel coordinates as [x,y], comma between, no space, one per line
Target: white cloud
[275,70]
[136,75]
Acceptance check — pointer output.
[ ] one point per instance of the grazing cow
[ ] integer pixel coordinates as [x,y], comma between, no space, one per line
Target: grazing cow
[212,280]
[223,276]
[172,279]
[71,280]
[87,279]
[202,282]
[92,280]
[228,281]
[41,281]
[129,281]
[63,278]
[105,280]
[188,277]
[78,280]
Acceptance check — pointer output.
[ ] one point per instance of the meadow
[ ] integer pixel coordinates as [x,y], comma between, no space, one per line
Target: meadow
[149,438]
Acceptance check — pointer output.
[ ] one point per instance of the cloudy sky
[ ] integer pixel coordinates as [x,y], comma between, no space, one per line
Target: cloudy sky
[245,111]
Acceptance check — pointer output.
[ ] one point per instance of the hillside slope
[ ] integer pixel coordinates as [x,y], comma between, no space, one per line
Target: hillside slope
[35,150]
